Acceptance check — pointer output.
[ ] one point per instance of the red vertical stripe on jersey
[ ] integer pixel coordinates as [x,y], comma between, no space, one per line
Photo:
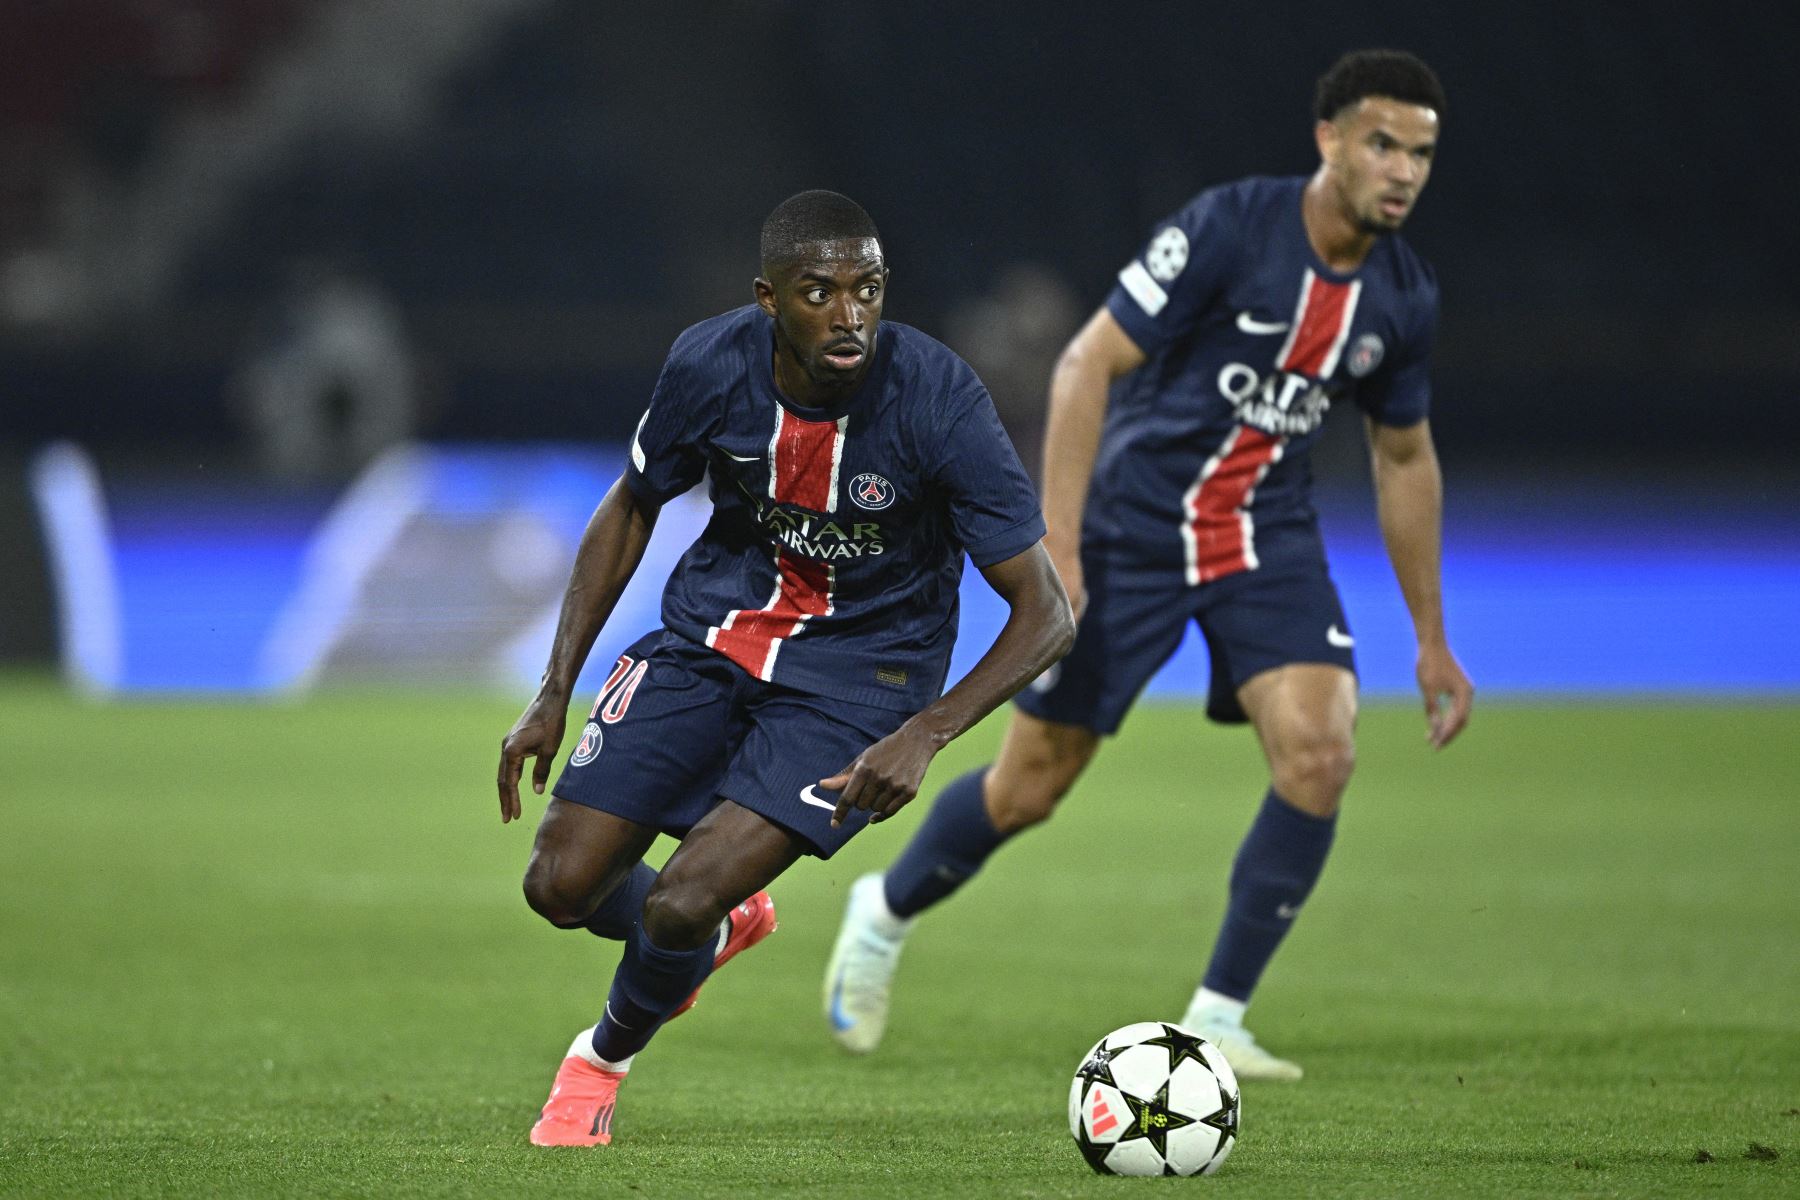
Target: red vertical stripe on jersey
[1219,532]
[1220,538]
[803,467]
[1321,324]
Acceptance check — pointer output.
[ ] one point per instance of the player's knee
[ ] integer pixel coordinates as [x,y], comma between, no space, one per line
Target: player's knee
[554,897]
[681,916]
[1312,771]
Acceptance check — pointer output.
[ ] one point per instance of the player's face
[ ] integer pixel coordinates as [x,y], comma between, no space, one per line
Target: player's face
[1379,153]
[826,309]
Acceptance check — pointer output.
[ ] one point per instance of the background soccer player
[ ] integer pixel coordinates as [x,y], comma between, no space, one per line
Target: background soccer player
[806,633]
[1249,314]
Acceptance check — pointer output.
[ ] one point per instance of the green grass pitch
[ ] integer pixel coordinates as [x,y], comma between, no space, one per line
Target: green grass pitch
[281,950]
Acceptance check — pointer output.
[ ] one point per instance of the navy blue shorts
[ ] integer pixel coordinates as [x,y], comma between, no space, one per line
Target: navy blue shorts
[1253,621]
[678,727]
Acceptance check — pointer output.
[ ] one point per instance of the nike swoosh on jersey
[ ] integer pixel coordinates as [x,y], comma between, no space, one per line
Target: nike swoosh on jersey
[1339,638]
[1249,324]
[754,458]
[809,796]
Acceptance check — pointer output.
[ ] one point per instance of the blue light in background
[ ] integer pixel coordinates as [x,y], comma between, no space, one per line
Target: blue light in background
[1592,592]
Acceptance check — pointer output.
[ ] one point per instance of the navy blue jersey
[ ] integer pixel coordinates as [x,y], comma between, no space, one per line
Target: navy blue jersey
[834,552]
[1249,339]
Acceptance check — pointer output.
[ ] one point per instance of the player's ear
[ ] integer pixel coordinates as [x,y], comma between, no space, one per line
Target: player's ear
[1327,136]
[765,295]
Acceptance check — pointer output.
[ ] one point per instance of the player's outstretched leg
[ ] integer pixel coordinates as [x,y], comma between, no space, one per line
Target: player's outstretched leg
[721,867]
[971,818]
[1305,715]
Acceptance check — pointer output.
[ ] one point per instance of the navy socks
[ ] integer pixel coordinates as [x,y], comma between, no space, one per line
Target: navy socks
[949,847]
[1280,860]
[651,983]
[619,914]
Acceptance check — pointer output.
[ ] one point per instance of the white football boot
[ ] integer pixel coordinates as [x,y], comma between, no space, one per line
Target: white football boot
[862,967]
[1221,1021]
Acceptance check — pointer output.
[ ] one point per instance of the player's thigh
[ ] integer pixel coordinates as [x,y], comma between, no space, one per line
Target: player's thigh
[1132,624]
[1304,715]
[732,854]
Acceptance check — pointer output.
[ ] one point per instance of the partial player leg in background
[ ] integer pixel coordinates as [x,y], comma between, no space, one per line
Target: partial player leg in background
[1130,628]
[1305,716]
[1039,761]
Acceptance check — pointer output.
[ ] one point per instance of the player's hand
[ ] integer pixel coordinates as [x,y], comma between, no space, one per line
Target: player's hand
[536,734]
[884,777]
[1067,561]
[1448,694]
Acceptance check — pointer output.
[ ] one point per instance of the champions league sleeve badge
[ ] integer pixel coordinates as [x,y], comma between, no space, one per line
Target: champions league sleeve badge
[1168,254]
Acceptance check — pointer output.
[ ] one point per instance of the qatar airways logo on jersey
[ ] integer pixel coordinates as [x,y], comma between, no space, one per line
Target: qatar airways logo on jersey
[815,535]
[1285,403]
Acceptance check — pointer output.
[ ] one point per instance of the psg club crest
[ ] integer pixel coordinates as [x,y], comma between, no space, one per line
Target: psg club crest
[588,747]
[871,491]
[1365,355]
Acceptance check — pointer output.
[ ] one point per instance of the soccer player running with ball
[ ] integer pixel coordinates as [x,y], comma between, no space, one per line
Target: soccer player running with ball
[793,692]
[1250,312]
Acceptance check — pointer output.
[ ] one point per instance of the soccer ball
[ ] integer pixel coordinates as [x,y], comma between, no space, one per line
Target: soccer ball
[1154,1099]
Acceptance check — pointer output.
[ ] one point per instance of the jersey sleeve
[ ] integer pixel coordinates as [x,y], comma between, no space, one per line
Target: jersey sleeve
[1162,292]
[993,506]
[1399,392]
[667,452]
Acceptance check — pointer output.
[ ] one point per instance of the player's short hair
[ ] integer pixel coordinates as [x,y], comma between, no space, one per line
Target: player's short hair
[809,218]
[1391,73]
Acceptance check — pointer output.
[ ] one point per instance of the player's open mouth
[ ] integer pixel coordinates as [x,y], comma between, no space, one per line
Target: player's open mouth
[1395,206]
[844,355]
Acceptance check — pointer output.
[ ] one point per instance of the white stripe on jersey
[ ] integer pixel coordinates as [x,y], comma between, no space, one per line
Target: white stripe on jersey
[1145,290]
[837,458]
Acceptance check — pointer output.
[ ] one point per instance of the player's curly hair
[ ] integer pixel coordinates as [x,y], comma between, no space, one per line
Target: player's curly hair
[808,218]
[1391,73]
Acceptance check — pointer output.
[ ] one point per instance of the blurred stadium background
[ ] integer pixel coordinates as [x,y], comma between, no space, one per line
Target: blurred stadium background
[321,324]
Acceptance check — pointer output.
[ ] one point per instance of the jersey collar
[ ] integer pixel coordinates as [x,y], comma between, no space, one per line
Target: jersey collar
[762,371]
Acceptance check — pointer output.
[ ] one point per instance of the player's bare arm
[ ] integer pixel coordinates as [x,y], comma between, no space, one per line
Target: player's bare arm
[611,548]
[1409,497]
[1039,629]
[1100,353]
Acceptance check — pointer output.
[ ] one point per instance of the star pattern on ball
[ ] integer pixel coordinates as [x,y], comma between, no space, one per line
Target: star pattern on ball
[1153,1120]
[1098,1068]
[1181,1045]
[1226,1119]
